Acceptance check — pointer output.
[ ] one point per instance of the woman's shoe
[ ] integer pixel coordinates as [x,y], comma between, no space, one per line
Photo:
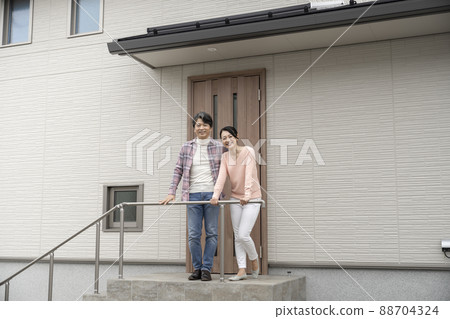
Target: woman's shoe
[237,278]
[255,273]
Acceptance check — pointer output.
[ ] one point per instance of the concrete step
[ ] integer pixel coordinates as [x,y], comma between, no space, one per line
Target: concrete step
[94,297]
[176,286]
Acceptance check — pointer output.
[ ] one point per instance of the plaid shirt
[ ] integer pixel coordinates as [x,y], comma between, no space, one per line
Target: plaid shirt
[184,164]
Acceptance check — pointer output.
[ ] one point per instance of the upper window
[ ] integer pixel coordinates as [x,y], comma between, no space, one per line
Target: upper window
[86,16]
[16,24]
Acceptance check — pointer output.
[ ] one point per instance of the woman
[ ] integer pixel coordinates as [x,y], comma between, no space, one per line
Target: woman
[240,165]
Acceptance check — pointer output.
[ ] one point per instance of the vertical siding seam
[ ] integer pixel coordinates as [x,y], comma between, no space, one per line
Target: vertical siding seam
[313,175]
[43,162]
[160,123]
[274,180]
[100,189]
[395,152]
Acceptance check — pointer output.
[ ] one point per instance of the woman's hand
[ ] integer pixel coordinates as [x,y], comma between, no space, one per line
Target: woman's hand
[244,201]
[169,198]
[214,201]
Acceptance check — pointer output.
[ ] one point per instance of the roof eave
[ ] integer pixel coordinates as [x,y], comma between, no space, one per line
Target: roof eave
[342,16]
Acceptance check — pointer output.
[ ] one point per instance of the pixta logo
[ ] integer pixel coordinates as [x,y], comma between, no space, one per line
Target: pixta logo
[143,147]
[308,147]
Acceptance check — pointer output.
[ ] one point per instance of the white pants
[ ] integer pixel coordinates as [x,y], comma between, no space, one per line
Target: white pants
[243,219]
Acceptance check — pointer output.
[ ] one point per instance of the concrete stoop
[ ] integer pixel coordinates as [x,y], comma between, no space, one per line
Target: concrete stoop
[176,286]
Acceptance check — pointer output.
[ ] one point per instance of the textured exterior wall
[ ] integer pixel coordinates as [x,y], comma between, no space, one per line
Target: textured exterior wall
[377,112]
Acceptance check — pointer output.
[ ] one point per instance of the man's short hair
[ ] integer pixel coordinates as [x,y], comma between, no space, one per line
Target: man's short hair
[205,117]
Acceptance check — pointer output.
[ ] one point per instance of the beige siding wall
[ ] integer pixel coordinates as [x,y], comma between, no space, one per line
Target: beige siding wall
[377,112]
[379,116]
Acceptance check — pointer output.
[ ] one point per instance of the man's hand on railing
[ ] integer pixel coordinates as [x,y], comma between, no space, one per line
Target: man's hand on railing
[169,198]
[214,201]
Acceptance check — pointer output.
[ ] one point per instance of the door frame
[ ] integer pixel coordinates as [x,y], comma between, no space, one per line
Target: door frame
[263,150]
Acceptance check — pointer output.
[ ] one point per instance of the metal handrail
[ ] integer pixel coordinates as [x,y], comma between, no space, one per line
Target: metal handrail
[97,221]
[58,246]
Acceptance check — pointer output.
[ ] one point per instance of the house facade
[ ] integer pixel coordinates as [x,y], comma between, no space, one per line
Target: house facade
[352,123]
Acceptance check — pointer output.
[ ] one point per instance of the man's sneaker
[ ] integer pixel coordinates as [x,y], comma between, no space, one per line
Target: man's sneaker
[196,275]
[206,275]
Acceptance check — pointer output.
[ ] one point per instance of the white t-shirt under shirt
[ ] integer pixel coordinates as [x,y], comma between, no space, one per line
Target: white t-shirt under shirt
[201,179]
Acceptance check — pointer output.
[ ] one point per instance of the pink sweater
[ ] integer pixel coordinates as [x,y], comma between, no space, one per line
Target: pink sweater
[242,173]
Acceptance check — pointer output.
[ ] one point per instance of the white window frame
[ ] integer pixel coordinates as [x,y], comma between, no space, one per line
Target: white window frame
[107,224]
[71,21]
[4,5]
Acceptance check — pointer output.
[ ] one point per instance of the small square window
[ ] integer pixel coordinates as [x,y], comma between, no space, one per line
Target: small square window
[114,195]
[86,16]
[16,23]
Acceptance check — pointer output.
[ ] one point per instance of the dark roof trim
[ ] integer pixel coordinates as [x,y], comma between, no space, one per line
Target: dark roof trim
[271,22]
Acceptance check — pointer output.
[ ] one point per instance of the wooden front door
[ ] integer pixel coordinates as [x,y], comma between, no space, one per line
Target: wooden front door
[235,99]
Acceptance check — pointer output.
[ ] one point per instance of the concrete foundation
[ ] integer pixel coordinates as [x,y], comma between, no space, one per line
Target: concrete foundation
[170,286]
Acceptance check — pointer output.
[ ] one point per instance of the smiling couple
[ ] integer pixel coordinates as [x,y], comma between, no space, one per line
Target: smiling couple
[203,166]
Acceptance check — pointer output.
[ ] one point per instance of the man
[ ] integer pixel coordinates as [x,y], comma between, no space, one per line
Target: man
[198,166]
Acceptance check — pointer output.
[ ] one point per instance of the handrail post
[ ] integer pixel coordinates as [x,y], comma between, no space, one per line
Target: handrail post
[121,243]
[50,276]
[7,291]
[97,257]
[222,242]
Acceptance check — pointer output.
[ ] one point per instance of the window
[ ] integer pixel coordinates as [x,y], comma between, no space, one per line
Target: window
[86,16]
[117,194]
[16,21]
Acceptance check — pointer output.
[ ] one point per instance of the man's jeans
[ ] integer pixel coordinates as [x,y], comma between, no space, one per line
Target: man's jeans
[196,214]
